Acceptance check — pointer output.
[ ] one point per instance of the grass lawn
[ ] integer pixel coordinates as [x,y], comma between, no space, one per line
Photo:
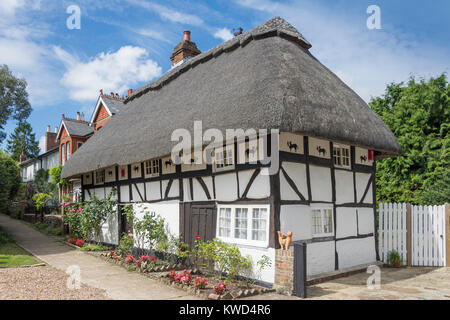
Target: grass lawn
[11,255]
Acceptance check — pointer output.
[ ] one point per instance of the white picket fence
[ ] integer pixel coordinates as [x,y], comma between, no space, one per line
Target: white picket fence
[427,233]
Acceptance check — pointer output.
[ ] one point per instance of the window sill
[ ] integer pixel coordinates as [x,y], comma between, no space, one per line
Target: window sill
[246,243]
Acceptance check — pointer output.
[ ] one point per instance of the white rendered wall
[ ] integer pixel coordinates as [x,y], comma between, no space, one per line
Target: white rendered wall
[110,229]
[297,172]
[344,186]
[366,223]
[256,253]
[153,190]
[296,218]
[226,187]
[354,252]
[260,187]
[169,210]
[320,183]
[320,257]
[361,183]
[345,222]
[125,193]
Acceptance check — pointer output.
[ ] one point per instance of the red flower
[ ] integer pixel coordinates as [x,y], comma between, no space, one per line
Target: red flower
[180,250]
[200,283]
[72,240]
[79,243]
[171,275]
[221,288]
[197,237]
[129,259]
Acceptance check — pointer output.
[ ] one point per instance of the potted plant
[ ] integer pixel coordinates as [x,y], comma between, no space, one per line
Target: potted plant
[394,259]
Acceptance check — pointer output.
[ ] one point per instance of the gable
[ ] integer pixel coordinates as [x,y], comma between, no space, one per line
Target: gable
[102,113]
[63,132]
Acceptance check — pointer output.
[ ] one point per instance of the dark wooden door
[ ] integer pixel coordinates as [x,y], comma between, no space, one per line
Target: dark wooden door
[198,220]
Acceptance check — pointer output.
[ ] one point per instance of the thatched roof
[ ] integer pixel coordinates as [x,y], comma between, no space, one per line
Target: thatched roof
[265,78]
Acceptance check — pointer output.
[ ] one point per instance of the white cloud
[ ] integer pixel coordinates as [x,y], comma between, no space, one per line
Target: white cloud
[223,34]
[169,14]
[112,71]
[42,144]
[366,60]
[9,7]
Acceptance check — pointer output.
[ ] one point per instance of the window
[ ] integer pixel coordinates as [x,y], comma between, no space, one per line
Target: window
[224,158]
[63,154]
[322,222]
[152,168]
[99,176]
[244,224]
[341,156]
[68,150]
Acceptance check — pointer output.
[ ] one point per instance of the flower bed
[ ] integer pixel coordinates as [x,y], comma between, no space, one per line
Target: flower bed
[210,286]
[143,264]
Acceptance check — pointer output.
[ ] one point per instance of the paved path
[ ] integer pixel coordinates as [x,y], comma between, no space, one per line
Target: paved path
[116,281]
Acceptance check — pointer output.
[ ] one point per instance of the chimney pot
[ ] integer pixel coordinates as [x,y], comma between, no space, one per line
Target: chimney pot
[130,91]
[82,116]
[63,116]
[56,129]
[48,128]
[101,92]
[187,35]
[78,115]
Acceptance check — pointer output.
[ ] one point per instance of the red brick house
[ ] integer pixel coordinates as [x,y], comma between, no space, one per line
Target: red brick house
[73,133]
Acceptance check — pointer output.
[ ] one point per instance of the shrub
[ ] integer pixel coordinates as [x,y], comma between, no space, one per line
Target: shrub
[129,259]
[72,240]
[200,283]
[79,243]
[125,245]
[394,258]
[184,277]
[10,181]
[171,275]
[221,288]
[149,230]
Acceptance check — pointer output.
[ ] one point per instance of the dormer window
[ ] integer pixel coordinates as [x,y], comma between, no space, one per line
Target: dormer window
[341,156]
[99,176]
[224,158]
[151,168]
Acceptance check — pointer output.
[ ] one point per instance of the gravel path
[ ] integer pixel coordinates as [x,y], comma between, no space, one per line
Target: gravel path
[39,283]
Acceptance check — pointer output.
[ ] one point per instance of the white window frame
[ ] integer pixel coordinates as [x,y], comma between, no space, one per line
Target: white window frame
[323,208]
[153,172]
[341,156]
[223,151]
[96,177]
[248,241]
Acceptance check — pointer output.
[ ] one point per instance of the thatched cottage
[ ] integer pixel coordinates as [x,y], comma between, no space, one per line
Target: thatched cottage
[266,78]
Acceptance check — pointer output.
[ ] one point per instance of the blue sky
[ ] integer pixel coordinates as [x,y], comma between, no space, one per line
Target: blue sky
[126,43]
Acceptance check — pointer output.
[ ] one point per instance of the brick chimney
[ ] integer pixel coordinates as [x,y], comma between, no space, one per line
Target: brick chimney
[50,139]
[184,50]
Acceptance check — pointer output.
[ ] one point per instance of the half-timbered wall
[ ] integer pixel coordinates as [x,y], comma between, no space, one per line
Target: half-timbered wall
[307,177]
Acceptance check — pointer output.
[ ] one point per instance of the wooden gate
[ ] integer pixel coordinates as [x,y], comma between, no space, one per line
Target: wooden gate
[415,232]
[198,219]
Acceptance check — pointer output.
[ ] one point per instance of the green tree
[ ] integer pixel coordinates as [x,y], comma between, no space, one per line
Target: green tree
[23,138]
[55,174]
[13,99]
[418,114]
[10,181]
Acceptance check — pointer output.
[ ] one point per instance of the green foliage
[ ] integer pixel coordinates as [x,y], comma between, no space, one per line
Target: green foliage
[9,182]
[24,139]
[93,247]
[148,229]
[419,116]
[55,174]
[41,182]
[437,190]
[40,199]
[86,218]
[394,257]
[125,246]
[13,99]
